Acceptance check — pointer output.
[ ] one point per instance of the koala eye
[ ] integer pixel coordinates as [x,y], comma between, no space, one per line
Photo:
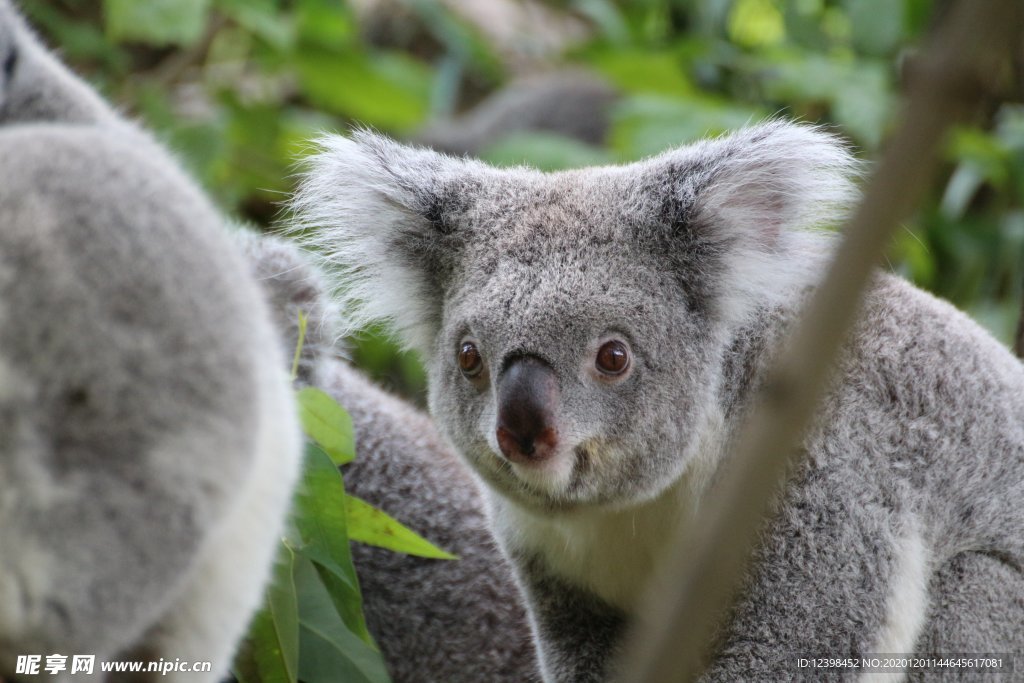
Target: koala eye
[612,358]
[471,363]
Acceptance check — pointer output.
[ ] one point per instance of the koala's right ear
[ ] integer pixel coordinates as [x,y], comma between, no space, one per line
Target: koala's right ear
[387,216]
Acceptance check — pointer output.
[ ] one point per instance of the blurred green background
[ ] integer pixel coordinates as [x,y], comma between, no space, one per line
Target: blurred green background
[239,86]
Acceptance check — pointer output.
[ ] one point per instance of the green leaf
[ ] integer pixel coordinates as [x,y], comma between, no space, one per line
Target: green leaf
[546,151]
[270,653]
[331,652]
[756,23]
[462,40]
[963,185]
[157,22]
[327,424]
[647,124]
[326,23]
[858,92]
[644,71]
[607,17]
[262,18]
[389,90]
[863,103]
[985,153]
[321,522]
[370,525]
[877,26]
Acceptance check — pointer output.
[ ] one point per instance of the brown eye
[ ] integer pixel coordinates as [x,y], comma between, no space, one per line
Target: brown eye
[470,360]
[612,358]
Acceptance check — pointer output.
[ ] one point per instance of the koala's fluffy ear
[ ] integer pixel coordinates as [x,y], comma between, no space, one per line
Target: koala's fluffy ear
[388,216]
[746,196]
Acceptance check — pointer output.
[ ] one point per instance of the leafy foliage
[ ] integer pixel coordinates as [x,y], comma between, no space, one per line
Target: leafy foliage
[311,627]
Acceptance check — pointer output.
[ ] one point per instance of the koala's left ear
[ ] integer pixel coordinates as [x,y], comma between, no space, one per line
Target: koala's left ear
[777,176]
[388,217]
[741,198]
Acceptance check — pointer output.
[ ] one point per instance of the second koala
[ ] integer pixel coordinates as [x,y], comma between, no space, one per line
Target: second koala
[148,436]
[438,621]
[594,337]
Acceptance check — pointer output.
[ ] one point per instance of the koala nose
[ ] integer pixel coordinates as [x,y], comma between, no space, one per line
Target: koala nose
[528,397]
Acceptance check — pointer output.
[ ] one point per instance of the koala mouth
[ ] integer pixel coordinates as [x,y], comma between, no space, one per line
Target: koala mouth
[565,487]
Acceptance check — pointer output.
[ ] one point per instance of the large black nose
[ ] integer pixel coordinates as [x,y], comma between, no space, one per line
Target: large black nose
[528,398]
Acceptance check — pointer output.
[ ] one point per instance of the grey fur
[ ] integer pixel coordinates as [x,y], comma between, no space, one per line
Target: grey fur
[977,606]
[148,441]
[698,260]
[458,621]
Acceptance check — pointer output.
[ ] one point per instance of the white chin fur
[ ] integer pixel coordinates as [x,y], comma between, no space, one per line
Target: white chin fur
[550,477]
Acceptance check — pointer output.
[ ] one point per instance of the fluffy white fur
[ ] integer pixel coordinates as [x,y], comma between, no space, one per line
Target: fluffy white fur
[907,608]
[367,188]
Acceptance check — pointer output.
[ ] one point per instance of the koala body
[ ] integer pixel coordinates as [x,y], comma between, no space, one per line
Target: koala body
[148,441]
[593,338]
[459,621]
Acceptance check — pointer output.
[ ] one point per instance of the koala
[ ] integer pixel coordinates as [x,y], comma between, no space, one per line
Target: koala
[459,621]
[148,437]
[593,339]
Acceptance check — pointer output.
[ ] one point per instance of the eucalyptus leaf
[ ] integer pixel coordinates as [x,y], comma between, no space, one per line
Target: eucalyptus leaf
[645,71]
[647,124]
[157,22]
[331,652]
[545,151]
[877,25]
[270,653]
[388,90]
[328,424]
[370,525]
[320,519]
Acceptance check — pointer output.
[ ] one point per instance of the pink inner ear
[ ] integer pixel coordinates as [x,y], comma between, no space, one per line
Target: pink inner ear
[775,212]
[760,215]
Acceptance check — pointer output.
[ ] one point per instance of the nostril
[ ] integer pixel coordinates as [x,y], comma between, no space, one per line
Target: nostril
[528,448]
[509,444]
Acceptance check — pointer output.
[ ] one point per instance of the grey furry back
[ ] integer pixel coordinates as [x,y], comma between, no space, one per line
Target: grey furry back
[435,621]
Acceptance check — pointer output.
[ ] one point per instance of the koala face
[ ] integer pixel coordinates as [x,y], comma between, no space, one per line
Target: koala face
[574,325]
[567,349]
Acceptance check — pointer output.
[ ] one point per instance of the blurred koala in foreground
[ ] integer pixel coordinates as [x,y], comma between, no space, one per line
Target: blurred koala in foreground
[458,621]
[148,441]
[594,337]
